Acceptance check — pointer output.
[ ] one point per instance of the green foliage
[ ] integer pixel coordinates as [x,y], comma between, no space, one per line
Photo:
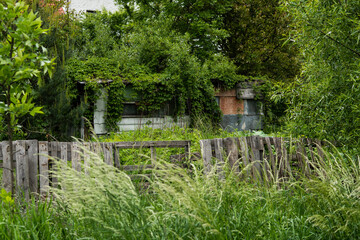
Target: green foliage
[22,59]
[34,220]
[256,42]
[156,61]
[324,99]
[61,117]
[114,108]
[107,205]
[5,198]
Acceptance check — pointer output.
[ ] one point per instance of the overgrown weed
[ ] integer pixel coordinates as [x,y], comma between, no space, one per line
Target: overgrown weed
[187,206]
[101,202]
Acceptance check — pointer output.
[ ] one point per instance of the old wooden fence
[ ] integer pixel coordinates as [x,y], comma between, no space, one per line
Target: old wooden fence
[265,158]
[33,165]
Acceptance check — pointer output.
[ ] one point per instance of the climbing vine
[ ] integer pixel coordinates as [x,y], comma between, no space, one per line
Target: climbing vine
[159,65]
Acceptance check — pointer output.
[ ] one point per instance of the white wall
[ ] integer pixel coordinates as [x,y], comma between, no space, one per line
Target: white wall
[93,5]
[133,123]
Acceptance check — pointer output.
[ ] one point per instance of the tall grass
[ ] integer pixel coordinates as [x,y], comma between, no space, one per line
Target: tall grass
[102,202]
[105,204]
[31,221]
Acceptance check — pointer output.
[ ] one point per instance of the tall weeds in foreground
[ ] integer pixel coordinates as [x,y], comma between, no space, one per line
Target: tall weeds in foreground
[34,220]
[103,203]
[334,196]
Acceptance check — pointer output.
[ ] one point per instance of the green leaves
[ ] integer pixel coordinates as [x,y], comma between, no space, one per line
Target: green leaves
[325,98]
[22,60]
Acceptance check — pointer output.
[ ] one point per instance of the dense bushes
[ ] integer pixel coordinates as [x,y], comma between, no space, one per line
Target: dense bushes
[323,102]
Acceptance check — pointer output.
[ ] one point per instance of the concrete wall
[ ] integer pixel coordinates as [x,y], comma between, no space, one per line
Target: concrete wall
[238,114]
[133,123]
[92,5]
[240,110]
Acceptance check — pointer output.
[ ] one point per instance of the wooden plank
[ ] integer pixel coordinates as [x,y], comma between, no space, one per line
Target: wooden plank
[22,170]
[206,153]
[136,167]
[301,157]
[86,157]
[244,148]
[54,149]
[116,158]
[287,158]
[273,170]
[148,144]
[44,168]
[64,151]
[279,159]
[232,152]
[7,176]
[153,155]
[32,150]
[96,148]
[187,151]
[75,156]
[218,148]
[2,165]
[64,157]
[256,157]
[108,152]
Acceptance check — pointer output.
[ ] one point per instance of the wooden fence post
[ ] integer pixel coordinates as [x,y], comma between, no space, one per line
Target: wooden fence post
[54,149]
[245,154]
[153,155]
[206,153]
[272,172]
[220,162]
[107,149]
[75,156]
[44,168]
[7,178]
[232,152]
[22,170]
[86,157]
[32,151]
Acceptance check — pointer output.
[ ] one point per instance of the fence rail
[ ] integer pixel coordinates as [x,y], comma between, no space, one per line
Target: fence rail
[33,162]
[266,157]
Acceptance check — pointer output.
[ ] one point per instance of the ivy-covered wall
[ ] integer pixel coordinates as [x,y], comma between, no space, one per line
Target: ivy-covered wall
[132,117]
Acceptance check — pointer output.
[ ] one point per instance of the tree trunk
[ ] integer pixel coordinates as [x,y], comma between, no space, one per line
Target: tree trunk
[10,135]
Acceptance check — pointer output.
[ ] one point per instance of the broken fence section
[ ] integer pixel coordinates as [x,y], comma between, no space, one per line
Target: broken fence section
[261,158]
[33,164]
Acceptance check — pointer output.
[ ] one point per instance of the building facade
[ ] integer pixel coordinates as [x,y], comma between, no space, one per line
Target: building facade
[92,5]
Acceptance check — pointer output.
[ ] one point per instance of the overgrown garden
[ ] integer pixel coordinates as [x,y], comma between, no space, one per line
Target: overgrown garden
[306,54]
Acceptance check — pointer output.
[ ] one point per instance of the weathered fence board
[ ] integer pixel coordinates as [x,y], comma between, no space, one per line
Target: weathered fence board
[232,152]
[75,157]
[148,144]
[44,168]
[35,168]
[22,170]
[271,158]
[7,171]
[206,154]
[32,152]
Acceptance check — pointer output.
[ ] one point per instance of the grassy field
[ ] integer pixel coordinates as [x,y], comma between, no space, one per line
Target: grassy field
[105,204]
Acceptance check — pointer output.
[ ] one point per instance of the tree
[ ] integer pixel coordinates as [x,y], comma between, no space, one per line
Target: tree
[22,60]
[257,30]
[325,98]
